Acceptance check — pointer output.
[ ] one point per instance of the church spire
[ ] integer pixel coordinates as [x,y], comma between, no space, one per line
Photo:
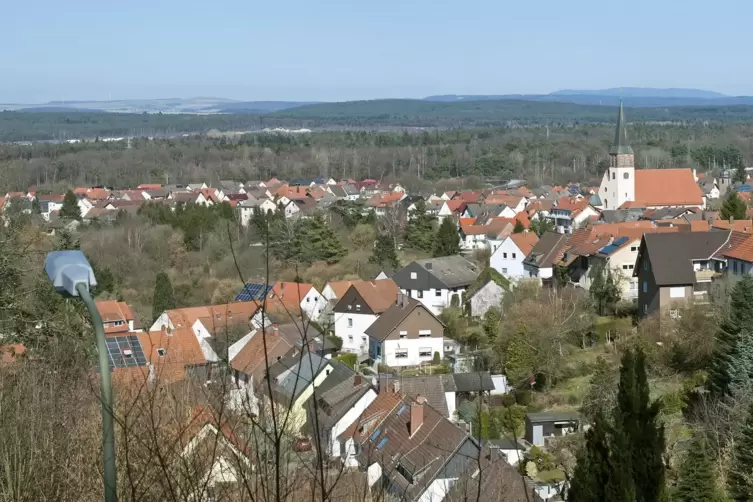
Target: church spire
[620,145]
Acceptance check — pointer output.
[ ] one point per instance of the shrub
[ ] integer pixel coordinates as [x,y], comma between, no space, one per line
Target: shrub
[437,358]
[511,419]
[507,400]
[337,342]
[348,359]
[454,300]
[672,402]
[523,397]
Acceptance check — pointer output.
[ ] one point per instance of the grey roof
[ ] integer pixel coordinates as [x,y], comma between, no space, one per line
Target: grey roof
[337,400]
[671,254]
[553,416]
[544,253]
[473,382]
[340,373]
[293,373]
[453,271]
[620,215]
[505,444]
[620,146]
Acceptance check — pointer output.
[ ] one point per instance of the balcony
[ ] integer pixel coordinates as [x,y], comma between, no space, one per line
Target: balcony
[706,275]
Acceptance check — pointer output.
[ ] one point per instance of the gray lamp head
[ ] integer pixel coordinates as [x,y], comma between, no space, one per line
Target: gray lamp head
[68,269]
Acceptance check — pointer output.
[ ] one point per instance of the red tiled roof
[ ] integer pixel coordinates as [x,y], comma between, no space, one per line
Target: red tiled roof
[525,241]
[667,187]
[181,348]
[743,251]
[250,359]
[149,186]
[456,205]
[378,295]
[112,311]
[8,353]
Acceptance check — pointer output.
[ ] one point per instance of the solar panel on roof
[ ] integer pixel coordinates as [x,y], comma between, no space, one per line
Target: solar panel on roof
[251,292]
[125,351]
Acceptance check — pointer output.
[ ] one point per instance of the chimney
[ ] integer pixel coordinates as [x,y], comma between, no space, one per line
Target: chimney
[396,386]
[416,417]
[356,380]
[399,299]
[276,329]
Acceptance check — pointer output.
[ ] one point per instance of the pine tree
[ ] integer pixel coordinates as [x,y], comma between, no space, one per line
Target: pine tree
[163,295]
[604,290]
[697,481]
[315,241]
[447,242]
[593,469]
[384,253]
[741,176]
[518,228]
[638,419]
[419,232]
[740,472]
[70,209]
[602,390]
[735,337]
[733,207]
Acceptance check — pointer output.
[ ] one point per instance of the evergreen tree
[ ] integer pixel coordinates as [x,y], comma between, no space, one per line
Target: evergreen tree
[604,290]
[384,253]
[518,228]
[419,232]
[733,207]
[741,176]
[733,341]
[70,209]
[638,419]
[740,473]
[447,242]
[593,468]
[36,207]
[602,390]
[315,241]
[164,298]
[542,226]
[697,481]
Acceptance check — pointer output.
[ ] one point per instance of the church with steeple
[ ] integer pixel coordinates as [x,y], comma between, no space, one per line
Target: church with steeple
[625,187]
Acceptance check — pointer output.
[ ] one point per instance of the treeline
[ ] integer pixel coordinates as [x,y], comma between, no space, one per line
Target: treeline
[386,113]
[541,155]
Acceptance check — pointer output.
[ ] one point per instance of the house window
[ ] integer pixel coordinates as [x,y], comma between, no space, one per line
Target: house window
[624,267]
[162,352]
[631,266]
[438,292]
[645,265]
[403,334]
[504,270]
[514,255]
[626,176]
[424,333]
[350,322]
[633,248]
[614,176]
[734,267]
[350,338]
[504,255]
[308,300]
[419,294]
[413,275]
[645,309]
[677,292]
[645,286]
[401,353]
[358,308]
[424,352]
[118,323]
[350,307]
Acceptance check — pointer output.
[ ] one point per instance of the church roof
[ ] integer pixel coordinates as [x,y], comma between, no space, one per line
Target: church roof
[620,145]
[667,187]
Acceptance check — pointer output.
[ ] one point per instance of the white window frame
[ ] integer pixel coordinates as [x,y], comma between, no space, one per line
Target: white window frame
[424,333]
[350,322]
[403,334]
[425,352]
[414,275]
[401,353]
[677,292]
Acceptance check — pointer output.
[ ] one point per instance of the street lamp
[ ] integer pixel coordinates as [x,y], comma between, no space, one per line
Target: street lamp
[71,275]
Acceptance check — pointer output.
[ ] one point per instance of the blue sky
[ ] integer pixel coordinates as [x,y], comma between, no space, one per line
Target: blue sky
[341,50]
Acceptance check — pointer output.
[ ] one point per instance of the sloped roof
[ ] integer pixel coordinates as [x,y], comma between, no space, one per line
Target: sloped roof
[251,358]
[214,317]
[112,310]
[452,271]
[544,253]
[525,241]
[393,316]
[378,295]
[671,254]
[666,187]
[740,247]
[181,349]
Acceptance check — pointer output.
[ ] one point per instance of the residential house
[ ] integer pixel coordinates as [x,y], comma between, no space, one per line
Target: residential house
[381,203]
[545,254]
[438,283]
[215,327]
[624,186]
[486,292]
[410,449]
[196,185]
[494,210]
[618,259]
[358,308]
[406,334]
[569,213]
[173,355]
[439,390]
[676,268]
[508,255]
[451,208]
[739,255]
[336,404]
[49,203]
[117,317]
[247,207]
[540,426]
[188,198]
[293,379]
[345,192]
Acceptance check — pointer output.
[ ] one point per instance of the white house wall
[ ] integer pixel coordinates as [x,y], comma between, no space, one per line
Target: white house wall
[353,336]
[389,348]
[435,300]
[347,420]
[507,259]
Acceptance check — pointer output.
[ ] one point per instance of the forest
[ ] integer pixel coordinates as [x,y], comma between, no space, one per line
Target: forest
[542,155]
[376,114]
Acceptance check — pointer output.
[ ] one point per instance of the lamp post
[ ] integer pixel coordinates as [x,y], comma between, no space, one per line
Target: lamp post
[71,275]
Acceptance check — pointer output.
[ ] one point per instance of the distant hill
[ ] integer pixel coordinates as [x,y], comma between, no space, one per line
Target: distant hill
[262,106]
[632,97]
